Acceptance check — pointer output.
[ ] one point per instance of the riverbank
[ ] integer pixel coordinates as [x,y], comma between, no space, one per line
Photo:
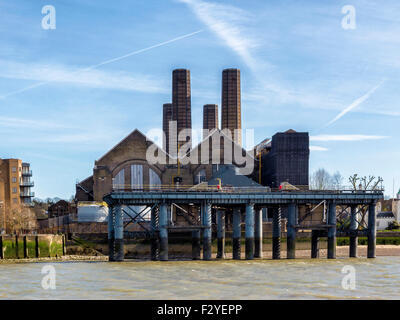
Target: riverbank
[341,252]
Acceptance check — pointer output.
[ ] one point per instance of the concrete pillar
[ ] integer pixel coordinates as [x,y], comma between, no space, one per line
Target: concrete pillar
[207,231]
[332,230]
[353,232]
[276,233]
[111,233]
[249,231]
[64,244]
[163,232]
[314,244]
[119,234]
[258,233]
[196,248]
[291,232]
[371,231]
[155,243]
[221,234]
[236,234]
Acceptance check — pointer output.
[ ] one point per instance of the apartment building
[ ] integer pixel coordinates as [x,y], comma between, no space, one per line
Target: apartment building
[15,185]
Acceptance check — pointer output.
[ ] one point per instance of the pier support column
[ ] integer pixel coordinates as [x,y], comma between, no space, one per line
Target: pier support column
[371,231]
[119,234]
[258,233]
[236,234]
[207,231]
[314,244]
[249,231]
[111,233]
[196,249]
[353,232]
[291,232]
[332,230]
[163,232]
[221,234]
[276,233]
[155,242]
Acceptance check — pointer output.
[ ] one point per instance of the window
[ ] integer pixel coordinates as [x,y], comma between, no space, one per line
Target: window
[200,177]
[14,190]
[14,169]
[155,181]
[137,176]
[15,200]
[119,180]
[14,179]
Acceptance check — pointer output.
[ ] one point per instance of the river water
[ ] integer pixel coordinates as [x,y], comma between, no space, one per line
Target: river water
[258,279]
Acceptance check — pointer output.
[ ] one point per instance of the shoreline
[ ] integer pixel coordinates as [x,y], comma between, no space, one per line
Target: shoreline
[341,252]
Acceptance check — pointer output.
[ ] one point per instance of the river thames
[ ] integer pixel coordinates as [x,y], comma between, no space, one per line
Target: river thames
[258,279]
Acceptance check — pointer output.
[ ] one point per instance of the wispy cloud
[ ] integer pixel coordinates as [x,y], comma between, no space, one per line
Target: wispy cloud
[30,124]
[355,104]
[318,148]
[346,137]
[226,22]
[85,76]
[73,75]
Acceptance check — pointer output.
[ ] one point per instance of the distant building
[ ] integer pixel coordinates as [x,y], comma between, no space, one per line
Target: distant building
[15,185]
[285,159]
[387,212]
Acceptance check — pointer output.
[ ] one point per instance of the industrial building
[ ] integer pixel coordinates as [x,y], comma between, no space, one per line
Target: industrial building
[125,166]
[15,186]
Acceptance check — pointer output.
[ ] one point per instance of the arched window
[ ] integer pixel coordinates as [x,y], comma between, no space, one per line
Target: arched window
[200,177]
[154,179]
[136,176]
[119,180]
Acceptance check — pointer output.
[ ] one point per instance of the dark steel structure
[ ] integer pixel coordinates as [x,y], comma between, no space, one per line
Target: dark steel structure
[250,203]
[287,161]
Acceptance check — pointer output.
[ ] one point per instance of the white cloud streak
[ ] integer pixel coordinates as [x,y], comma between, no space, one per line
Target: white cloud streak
[225,21]
[355,104]
[346,137]
[87,76]
[318,148]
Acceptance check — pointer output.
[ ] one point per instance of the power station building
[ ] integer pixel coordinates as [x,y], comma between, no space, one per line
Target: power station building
[126,166]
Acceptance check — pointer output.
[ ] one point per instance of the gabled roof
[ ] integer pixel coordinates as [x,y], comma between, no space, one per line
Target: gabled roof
[134,132]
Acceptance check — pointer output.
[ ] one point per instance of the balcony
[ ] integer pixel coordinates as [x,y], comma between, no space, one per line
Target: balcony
[27,194]
[27,173]
[26,184]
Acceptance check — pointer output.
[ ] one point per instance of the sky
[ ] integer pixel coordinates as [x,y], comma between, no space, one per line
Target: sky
[69,94]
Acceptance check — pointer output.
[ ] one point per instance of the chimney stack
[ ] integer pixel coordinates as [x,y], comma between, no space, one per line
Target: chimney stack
[210,118]
[231,104]
[167,117]
[181,102]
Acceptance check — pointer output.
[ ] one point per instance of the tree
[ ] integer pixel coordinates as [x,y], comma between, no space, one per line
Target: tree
[21,219]
[364,183]
[320,180]
[337,180]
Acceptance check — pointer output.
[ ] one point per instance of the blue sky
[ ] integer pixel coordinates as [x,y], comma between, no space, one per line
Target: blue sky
[300,69]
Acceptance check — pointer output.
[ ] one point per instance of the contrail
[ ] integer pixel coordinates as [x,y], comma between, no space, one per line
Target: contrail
[105,62]
[355,103]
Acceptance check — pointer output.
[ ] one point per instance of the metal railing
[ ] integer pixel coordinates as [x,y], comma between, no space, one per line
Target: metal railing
[231,189]
[27,184]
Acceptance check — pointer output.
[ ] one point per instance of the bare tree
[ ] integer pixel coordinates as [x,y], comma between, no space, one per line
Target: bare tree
[364,183]
[21,220]
[321,180]
[337,180]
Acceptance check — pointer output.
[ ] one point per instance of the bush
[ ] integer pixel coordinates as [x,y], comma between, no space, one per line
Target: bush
[394,225]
